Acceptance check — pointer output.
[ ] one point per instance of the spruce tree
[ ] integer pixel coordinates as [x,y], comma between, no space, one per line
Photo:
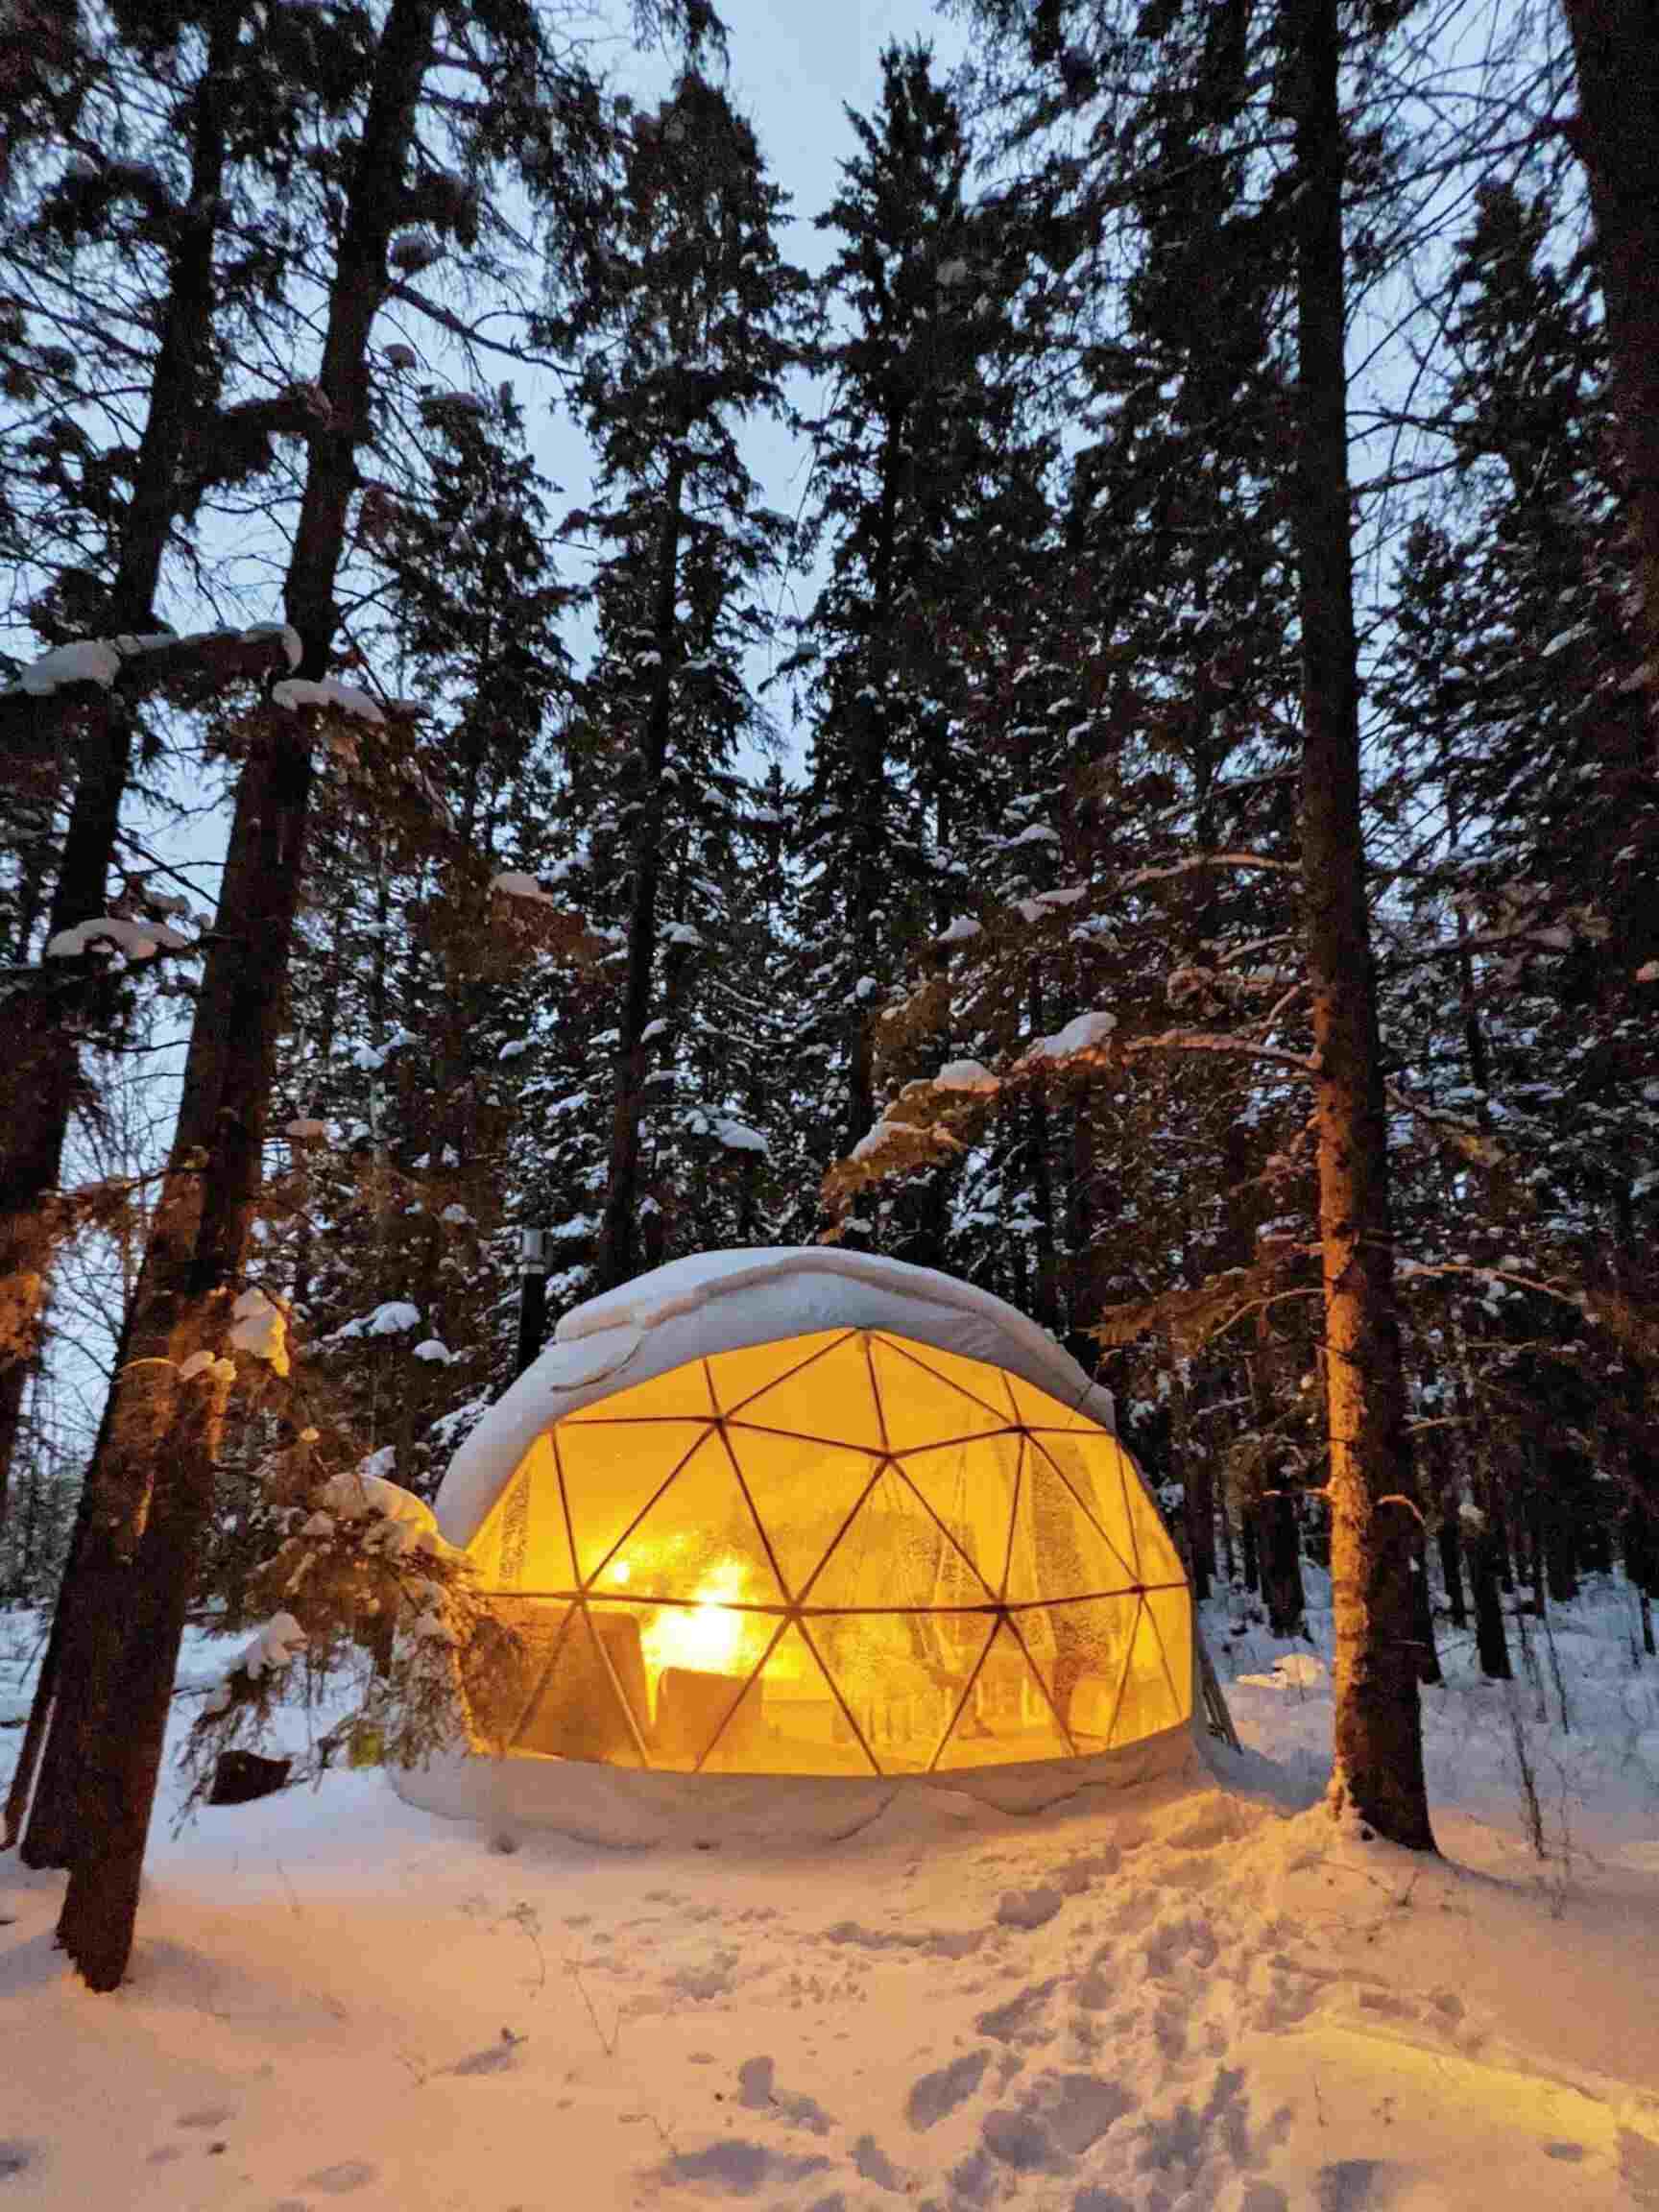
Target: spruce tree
[685,324]
[929,480]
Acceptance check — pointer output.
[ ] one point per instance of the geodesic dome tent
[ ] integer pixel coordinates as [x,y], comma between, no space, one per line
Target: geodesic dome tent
[815,1519]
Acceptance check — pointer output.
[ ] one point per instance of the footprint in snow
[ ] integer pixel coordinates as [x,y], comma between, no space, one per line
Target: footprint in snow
[933,2096]
[16,2157]
[1058,2118]
[350,2173]
[873,2164]
[1027,1908]
[757,2092]
[495,2058]
[739,2167]
[1023,2018]
[1357,2184]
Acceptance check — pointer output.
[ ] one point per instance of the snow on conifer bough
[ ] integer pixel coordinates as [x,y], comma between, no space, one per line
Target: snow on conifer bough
[784,1531]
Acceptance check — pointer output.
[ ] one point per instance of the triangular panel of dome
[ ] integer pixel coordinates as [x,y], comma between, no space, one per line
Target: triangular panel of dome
[742,1374]
[1081,1651]
[790,1721]
[827,1397]
[1037,1410]
[535,1541]
[970,1487]
[1154,1546]
[1094,1465]
[680,1395]
[895,1553]
[918,1407]
[577,1710]
[612,1472]
[803,1493]
[1148,1704]
[697,1541]
[1170,1612]
[1068,1537]
[1008,1717]
[987,1386]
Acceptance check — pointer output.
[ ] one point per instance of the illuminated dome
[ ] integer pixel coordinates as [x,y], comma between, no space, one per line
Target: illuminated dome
[812,1514]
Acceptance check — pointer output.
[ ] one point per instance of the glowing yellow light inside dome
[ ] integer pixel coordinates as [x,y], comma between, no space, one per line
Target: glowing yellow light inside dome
[707,1636]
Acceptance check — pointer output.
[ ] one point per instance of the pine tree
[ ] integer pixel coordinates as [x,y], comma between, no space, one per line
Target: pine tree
[931,486]
[686,325]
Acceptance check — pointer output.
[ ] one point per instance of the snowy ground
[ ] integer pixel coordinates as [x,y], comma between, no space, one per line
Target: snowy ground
[1199,2000]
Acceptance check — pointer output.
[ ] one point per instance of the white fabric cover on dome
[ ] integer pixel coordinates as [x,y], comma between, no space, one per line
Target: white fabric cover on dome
[728,1301]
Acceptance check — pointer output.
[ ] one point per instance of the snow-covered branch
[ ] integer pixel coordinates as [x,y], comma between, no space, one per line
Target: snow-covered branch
[197,665]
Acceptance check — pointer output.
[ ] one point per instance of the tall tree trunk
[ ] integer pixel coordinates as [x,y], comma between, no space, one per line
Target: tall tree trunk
[1198,1477]
[1083,1296]
[1428,1652]
[1616,47]
[1491,1640]
[1252,1564]
[150,1486]
[1378,1768]
[1281,1547]
[1448,1539]
[43,1081]
[1045,1302]
[869,876]
[617,1257]
[1560,1546]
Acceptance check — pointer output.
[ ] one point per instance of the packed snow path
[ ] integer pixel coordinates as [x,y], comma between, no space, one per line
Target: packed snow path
[1195,2000]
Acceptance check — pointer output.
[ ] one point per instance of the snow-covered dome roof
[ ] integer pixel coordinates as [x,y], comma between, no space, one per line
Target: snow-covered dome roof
[725,1301]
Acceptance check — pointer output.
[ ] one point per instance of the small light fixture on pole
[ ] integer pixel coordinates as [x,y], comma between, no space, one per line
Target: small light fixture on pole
[532,1295]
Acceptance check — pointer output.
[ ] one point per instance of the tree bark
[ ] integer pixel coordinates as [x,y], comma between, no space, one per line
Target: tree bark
[1247,1544]
[872,788]
[151,1482]
[1616,49]
[617,1257]
[1491,1639]
[1451,1549]
[1427,1654]
[1280,1544]
[1378,1768]
[1039,1134]
[43,1077]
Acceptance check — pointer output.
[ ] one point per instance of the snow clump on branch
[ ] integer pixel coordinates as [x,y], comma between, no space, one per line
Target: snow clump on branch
[259,1327]
[1085,1035]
